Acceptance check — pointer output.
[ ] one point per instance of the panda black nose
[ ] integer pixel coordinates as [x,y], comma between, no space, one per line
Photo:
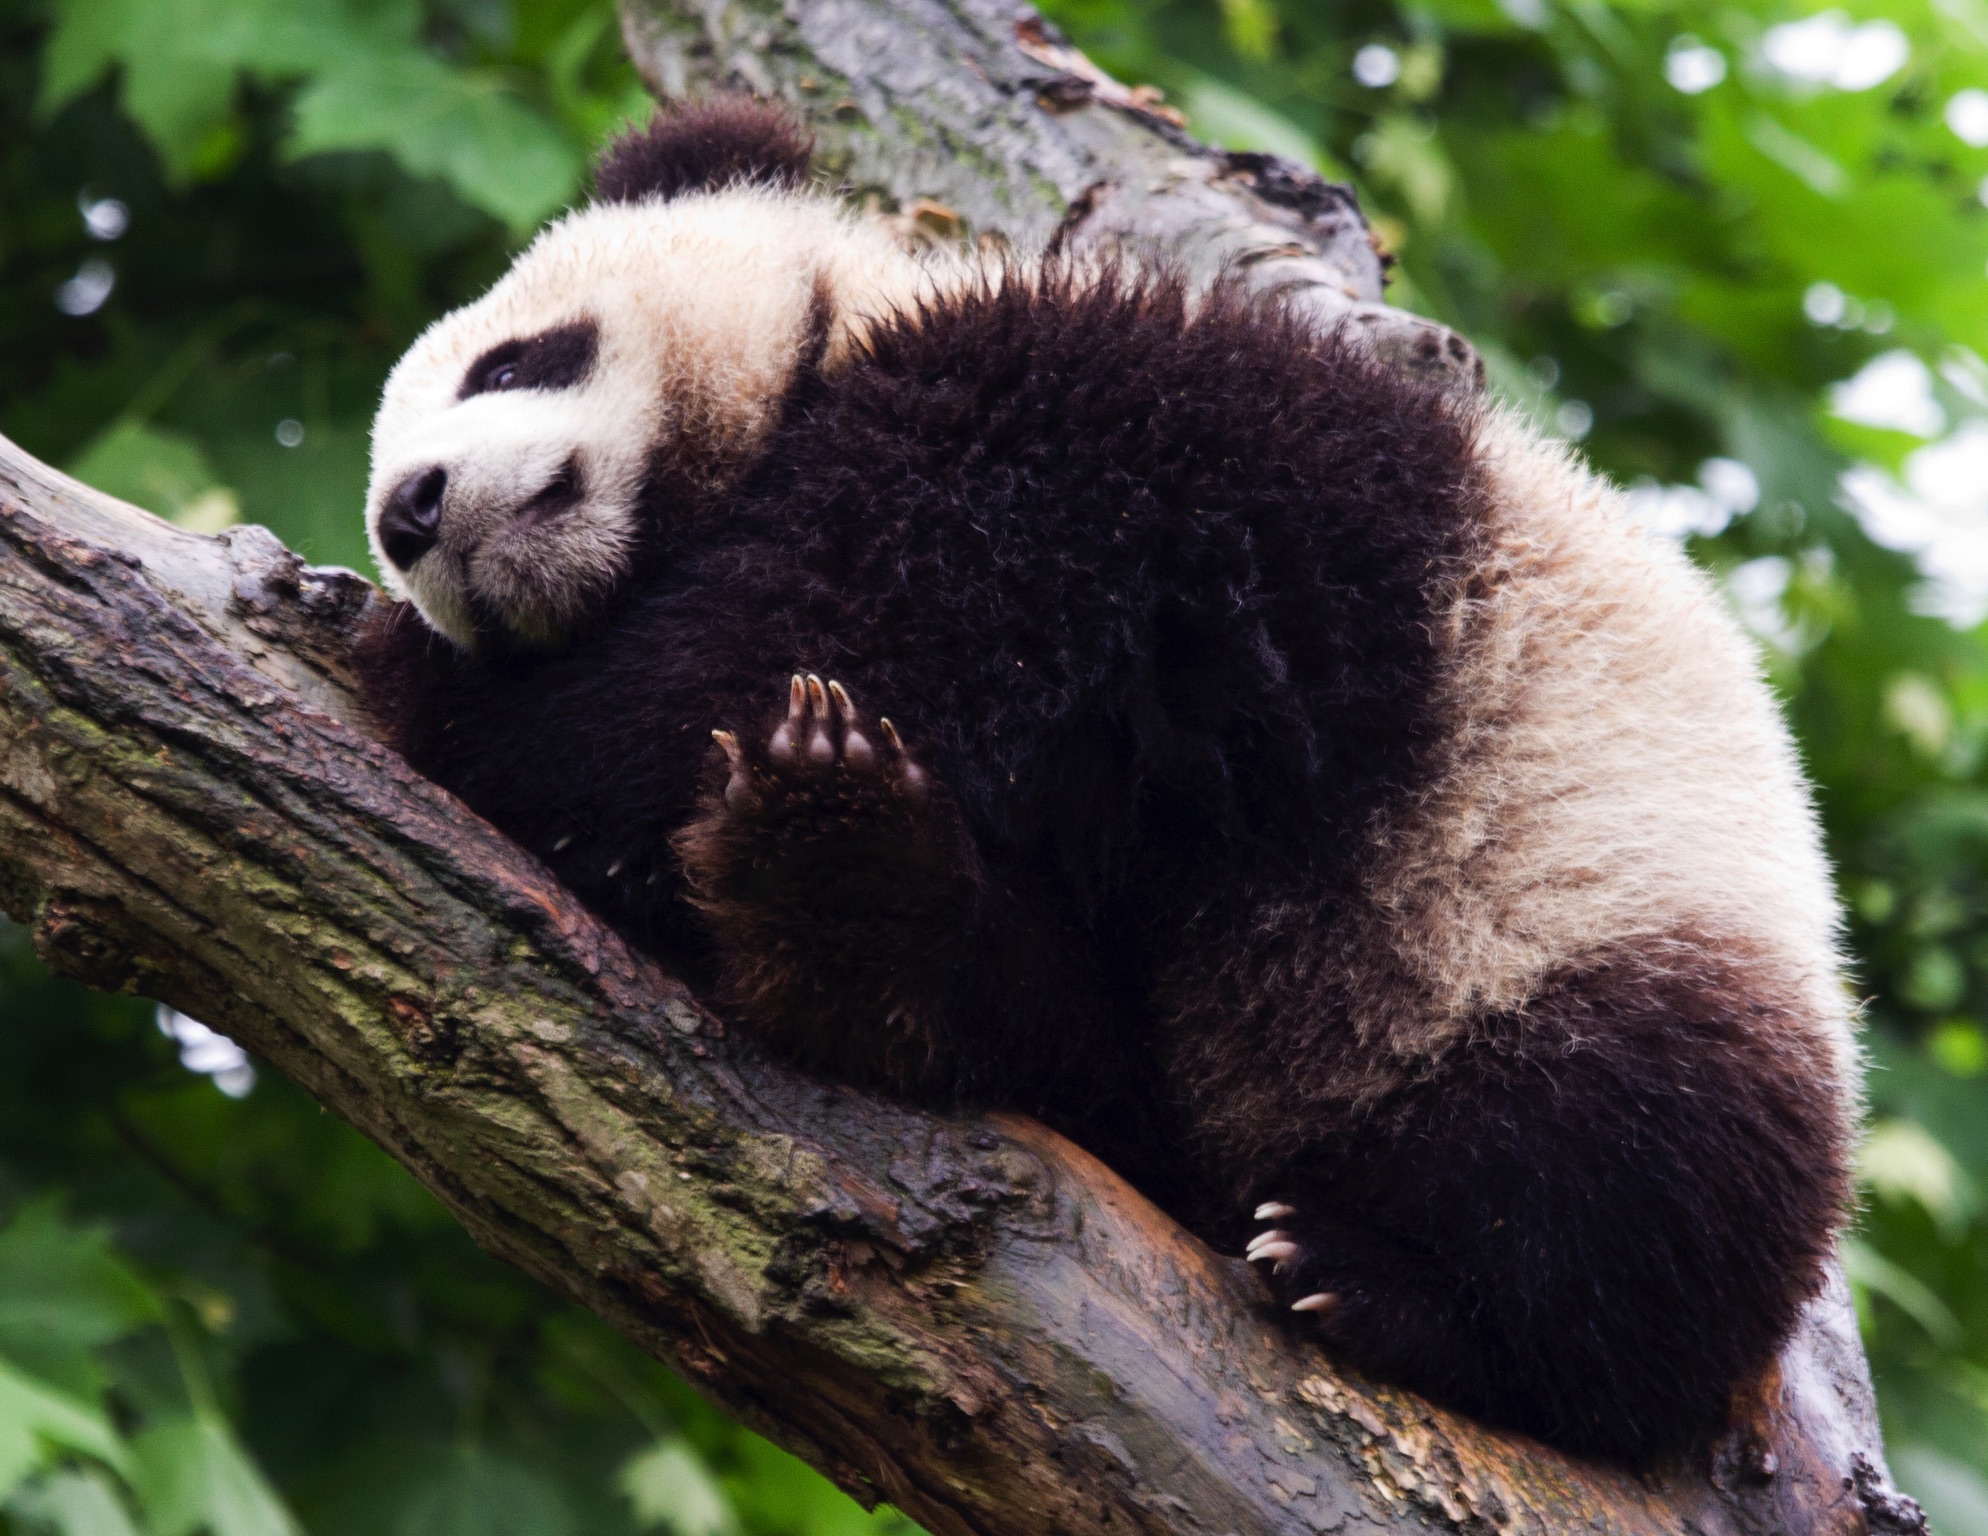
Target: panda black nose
[412,517]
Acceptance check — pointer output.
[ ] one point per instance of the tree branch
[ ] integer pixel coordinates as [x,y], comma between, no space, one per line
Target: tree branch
[966,1316]
[978,111]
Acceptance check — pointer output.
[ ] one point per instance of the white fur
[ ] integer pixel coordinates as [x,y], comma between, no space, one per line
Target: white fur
[1619,770]
[701,304]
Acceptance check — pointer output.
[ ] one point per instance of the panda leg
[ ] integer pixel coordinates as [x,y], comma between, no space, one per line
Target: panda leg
[859,932]
[1588,1218]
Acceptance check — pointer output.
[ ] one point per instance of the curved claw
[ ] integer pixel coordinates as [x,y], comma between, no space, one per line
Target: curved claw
[738,788]
[1277,1251]
[821,747]
[1318,1301]
[857,752]
[1264,1237]
[786,740]
[1274,1210]
[911,778]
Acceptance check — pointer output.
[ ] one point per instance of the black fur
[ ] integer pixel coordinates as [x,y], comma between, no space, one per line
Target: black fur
[1149,590]
[1587,1218]
[702,146]
[556,359]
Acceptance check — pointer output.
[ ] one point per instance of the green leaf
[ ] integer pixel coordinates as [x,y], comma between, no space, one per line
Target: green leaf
[35,1417]
[483,1495]
[73,1502]
[369,84]
[160,471]
[1901,1160]
[772,1491]
[192,1474]
[462,126]
[1400,153]
[1227,116]
[62,1293]
[670,1487]
[1955,1495]
[174,86]
[1869,1269]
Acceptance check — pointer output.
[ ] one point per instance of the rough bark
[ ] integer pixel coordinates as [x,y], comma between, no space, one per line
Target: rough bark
[966,1316]
[976,116]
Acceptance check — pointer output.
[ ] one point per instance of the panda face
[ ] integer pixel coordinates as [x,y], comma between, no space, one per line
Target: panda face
[519,440]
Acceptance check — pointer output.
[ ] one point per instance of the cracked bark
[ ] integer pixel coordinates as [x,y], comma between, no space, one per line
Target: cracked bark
[966,1316]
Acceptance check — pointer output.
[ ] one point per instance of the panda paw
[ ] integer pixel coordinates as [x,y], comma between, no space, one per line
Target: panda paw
[837,880]
[1293,1262]
[823,820]
[822,746]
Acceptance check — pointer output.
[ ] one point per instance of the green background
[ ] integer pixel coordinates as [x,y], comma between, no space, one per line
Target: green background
[222,220]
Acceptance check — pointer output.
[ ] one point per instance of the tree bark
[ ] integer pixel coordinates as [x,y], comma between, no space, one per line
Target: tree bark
[966,1316]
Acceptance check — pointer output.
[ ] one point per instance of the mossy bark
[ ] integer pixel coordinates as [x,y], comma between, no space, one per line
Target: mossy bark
[966,1316]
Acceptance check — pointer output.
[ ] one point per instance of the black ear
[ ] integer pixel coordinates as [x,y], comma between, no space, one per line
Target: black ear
[700,146]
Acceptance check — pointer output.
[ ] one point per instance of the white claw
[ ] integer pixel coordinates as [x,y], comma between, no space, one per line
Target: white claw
[1272,1210]
[1277,1251]
[786,740]
[1318,1301]
[738,787]
[821,749]
[614,868]
[1261,1238]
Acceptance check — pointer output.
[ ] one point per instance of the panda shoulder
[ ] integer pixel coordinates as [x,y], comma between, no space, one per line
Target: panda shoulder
[704,146]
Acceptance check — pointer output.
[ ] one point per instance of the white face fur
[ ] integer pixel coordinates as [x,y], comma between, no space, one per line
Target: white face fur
[515,438]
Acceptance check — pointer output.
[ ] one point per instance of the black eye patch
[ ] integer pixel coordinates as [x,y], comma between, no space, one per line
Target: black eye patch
[554,359]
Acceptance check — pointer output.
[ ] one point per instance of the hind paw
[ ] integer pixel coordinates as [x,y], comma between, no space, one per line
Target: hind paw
[1294,1262]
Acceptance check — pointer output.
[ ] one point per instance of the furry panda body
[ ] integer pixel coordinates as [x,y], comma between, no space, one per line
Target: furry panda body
[1301,788]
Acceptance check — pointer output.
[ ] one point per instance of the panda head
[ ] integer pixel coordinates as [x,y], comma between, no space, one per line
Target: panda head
[530,444]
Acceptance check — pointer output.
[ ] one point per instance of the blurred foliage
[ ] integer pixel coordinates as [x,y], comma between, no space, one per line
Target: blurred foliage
[1737,249]
[222,1311]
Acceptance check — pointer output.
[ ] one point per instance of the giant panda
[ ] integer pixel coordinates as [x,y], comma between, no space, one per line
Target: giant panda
[1049,685]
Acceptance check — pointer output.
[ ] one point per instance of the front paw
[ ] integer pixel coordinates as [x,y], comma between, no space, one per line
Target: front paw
[821,753]
[837,881]
[823,821]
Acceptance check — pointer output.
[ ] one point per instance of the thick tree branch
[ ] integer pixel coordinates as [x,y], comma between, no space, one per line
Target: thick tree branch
[977,112]
[968,1317]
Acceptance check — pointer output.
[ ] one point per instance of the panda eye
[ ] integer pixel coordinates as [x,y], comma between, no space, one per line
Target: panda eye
[556,359]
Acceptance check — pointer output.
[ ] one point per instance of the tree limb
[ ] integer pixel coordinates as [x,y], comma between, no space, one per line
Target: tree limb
[966,1316]
[978,111]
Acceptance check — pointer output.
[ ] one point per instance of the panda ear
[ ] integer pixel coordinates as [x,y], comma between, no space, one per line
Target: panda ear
[700,146]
